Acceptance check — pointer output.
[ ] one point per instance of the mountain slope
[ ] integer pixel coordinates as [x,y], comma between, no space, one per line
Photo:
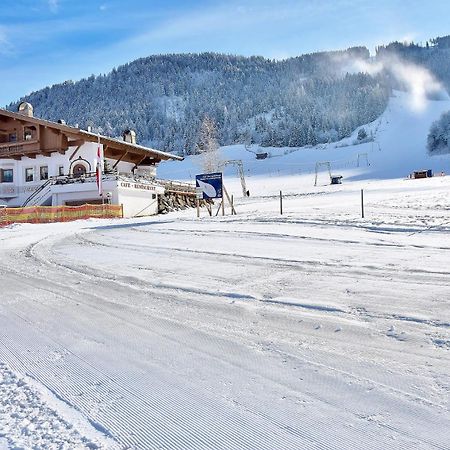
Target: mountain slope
[307,100]
[299,101]
[399,147]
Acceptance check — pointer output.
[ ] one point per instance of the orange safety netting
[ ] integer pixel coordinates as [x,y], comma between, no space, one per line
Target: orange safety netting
[47,214]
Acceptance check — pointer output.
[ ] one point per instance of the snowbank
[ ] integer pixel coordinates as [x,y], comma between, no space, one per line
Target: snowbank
[29,419]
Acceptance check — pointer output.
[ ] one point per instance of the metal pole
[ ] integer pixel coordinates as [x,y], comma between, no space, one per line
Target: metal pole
[197,204]
[362,203]
[281,203]
[223,205]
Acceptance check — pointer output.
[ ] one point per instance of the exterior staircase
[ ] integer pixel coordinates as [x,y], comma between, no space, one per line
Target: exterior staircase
[41,195]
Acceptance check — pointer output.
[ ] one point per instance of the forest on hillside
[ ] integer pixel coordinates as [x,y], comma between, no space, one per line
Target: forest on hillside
[299,101]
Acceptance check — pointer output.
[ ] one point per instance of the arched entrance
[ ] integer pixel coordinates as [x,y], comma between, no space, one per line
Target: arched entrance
[79,167]
[79,170]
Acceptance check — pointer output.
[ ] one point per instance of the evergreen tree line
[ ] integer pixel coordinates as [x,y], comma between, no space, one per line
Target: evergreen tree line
[299,101]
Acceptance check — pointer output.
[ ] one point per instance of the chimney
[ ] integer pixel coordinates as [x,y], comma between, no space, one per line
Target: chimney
[129,136]
[26,109]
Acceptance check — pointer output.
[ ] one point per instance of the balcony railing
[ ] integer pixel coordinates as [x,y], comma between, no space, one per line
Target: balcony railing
[10,149]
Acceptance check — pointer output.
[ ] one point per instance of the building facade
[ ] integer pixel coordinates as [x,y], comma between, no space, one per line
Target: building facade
[48,163]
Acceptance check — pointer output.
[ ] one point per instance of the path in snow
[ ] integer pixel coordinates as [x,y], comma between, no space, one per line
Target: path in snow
[317,330]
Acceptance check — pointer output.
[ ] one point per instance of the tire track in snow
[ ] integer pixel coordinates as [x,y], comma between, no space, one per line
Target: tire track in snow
[339,267]
[379,272]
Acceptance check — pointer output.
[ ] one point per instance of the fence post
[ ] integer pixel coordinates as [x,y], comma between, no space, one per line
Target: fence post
[362,203]
[281,203]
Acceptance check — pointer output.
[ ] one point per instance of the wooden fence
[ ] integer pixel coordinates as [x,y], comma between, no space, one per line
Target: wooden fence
[47,214]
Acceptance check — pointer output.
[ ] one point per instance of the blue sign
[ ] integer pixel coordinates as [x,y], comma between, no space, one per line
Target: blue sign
[209,185]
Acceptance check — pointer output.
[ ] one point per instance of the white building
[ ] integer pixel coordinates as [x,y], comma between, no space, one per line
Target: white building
[48,163]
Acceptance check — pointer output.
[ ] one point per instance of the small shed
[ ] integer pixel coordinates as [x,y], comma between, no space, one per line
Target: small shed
[425,173]
[336,179]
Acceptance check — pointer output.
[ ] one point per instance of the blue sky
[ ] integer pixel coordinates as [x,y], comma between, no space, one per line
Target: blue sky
[43,42]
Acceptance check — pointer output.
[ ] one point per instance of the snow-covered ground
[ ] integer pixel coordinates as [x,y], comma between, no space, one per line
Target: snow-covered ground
[317,329]
[31,419]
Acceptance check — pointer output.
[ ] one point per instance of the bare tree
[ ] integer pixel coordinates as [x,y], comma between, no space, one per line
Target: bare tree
[207,145]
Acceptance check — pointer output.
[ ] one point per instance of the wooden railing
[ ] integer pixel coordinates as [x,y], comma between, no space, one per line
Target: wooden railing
[10,149]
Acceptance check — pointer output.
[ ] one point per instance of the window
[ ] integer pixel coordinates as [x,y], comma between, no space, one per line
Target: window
[29,174]
[61,170]
[6,176]
[43,172]
[29,133]
[13,137]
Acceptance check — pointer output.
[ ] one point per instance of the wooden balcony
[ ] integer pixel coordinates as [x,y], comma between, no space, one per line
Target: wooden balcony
[15,150]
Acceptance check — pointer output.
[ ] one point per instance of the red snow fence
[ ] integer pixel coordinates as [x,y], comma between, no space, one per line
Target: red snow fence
[49,214]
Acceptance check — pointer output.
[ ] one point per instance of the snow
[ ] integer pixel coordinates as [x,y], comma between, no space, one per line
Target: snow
[28,420]
[317,329]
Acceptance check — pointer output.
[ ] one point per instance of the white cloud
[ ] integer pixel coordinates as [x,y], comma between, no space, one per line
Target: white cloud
[53,5]
[6,47]
[285,20]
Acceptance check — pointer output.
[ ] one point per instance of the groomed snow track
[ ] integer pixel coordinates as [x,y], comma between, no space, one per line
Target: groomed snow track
[172,334]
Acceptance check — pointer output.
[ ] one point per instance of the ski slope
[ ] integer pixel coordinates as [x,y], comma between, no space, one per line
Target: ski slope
[317,329]
[399,147]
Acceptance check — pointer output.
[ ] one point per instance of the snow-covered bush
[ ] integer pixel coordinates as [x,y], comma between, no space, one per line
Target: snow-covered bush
[362,134]
[439,135]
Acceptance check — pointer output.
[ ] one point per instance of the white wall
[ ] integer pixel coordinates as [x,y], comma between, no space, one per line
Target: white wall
[82,192]
[22,189]
[138,202]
